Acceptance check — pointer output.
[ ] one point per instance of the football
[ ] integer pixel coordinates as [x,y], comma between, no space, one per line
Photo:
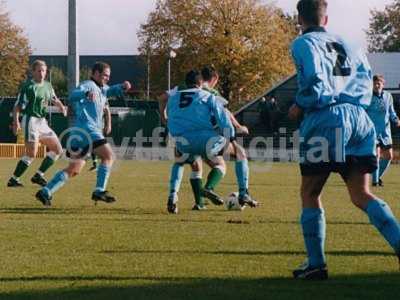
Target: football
[232,202]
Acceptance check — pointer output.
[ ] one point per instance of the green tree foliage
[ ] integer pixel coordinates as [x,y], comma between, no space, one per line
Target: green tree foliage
[384,29]
[14,54]
[59,81]
[84,73]
[247,41]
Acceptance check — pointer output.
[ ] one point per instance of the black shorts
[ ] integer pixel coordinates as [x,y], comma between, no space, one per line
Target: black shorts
[362,164]
[82,152]
[384,147]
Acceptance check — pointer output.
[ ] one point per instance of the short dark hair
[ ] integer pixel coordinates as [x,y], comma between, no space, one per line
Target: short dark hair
[378,77]
[100,67]
[193,78]
[312,11]
[208,72]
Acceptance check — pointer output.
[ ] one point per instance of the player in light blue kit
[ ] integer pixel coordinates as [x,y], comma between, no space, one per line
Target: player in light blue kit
[189,122]
[336,134]
[89,102]
[381,112]
[210,78]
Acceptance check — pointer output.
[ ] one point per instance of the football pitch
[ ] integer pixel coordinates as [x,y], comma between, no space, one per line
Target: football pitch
[133,249]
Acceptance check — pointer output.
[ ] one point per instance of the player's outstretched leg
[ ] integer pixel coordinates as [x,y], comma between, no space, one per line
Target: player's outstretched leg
[378,211]
[45,195]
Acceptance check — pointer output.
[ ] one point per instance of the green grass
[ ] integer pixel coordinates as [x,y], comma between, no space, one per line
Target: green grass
[134,250]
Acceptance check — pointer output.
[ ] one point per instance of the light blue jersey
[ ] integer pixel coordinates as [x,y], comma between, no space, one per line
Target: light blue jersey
[330,71]
[189,122]
[381,112]
[189,111]
[335,87]
[88,115]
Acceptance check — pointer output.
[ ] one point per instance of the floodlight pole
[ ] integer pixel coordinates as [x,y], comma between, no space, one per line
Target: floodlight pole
[169,73]
[73,53]
[171,55]
[148,75]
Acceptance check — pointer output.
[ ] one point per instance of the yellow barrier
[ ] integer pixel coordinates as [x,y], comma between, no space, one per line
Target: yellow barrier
[18,150]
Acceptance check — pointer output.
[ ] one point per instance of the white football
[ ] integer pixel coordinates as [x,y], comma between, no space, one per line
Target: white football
[232,202]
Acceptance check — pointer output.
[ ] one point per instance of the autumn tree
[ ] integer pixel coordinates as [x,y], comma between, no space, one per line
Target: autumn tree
[59,81]
[14,54]
[247,41]
[384,29]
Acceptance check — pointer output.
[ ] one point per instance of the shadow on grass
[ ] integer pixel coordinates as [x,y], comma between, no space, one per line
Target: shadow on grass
[84,210]
[138,211]
[249,253]
[371,286]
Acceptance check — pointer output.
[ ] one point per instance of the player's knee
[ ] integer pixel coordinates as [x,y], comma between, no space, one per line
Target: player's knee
[240,153]
[361,199]
[222,168]
[197,167]
[196,175]
[389,155]
[27,160]
[310,193]
[54,155]
[107,159]
[73,170]
[58,150]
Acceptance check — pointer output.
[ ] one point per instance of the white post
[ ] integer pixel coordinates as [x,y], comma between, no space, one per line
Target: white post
[171,55]
[169,73]
[73,53]
[148,76]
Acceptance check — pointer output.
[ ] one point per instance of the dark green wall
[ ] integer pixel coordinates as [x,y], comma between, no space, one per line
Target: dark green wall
[126,121]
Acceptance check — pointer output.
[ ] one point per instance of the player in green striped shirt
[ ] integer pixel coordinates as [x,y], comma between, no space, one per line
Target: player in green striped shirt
[32,102]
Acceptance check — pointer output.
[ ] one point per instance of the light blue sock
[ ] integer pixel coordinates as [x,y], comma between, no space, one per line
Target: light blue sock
[103,173]
[59,179]
[176,178]
[383,166]
[314,232]
[242,175]
[375,174]
[381,216]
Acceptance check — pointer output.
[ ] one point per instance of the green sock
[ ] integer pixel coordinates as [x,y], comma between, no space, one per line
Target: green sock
[46,164]
[214,177]
[197,186]
[22,166]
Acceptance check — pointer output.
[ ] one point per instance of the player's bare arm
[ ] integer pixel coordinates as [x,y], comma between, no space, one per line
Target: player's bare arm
[16,125]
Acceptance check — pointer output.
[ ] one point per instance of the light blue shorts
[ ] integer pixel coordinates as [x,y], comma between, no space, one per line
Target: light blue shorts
[336,132]
[207,144]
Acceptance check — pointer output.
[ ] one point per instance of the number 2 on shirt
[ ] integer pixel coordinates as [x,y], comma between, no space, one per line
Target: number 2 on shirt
[340,69]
